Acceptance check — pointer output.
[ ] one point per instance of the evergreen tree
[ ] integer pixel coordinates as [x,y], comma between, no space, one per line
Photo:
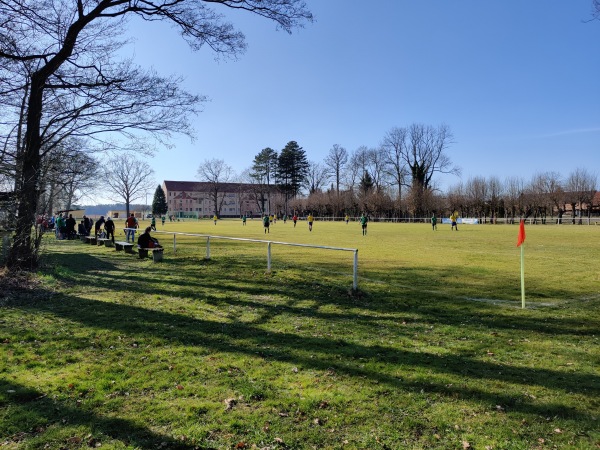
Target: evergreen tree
[264,168]
[159,203]
[292,170]
[366,183]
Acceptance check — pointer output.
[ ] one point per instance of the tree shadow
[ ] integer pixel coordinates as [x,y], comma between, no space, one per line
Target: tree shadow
[329,354]
[29,403]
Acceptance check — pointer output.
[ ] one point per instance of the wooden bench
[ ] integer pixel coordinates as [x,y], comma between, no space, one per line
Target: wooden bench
[157,253]
[90,240]
[127,246]
[82,238]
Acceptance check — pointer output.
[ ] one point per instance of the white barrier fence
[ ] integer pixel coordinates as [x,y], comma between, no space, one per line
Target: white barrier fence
[269,244]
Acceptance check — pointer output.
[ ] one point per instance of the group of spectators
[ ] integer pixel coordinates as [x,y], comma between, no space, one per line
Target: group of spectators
[64,224]
[64,227]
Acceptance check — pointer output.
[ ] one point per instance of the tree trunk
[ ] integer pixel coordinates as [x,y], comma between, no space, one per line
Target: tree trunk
[23,254]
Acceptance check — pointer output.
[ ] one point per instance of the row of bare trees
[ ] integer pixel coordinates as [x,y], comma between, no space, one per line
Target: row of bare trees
[546,195]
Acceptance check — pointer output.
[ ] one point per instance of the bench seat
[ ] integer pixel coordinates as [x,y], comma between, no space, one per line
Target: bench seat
[122,245]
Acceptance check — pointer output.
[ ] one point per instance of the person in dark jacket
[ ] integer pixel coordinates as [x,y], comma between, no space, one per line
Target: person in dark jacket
[109,227]
[98,225]
[70,226]
[147,241]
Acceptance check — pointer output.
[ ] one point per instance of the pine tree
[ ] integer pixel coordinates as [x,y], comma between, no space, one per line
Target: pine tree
[159,203]
[292,169]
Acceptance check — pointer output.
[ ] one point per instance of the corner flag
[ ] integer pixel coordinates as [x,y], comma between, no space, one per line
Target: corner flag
[521,237]
[520,240]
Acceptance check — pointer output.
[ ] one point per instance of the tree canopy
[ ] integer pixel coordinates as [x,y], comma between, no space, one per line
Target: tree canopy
[60,76]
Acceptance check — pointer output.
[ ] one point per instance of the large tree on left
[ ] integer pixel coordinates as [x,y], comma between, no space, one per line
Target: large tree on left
[58,72]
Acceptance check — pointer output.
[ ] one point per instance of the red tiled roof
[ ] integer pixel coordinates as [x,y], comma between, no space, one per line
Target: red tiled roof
[198,186]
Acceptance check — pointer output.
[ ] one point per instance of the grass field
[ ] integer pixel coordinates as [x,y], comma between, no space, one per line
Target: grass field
[433,351]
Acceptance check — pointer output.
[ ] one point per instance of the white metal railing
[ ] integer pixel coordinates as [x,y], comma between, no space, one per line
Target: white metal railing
[269,244]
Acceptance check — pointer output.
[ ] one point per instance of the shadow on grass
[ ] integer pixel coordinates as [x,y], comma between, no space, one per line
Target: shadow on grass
[328,355]
[34,407]
[428,297]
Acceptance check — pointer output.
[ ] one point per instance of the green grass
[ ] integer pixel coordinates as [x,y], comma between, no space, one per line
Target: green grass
[433,351]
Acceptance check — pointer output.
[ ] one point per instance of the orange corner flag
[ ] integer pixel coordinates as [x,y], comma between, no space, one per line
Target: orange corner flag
[521,237]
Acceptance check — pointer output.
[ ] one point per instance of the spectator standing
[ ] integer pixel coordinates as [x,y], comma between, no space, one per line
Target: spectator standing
[98,225]
[70,226]
[132,225]
[109,227]
[60,227]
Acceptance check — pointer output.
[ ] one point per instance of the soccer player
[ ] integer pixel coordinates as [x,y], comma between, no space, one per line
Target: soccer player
[453,219]
[266,223]
[363,223]
[310,220]
[434,222]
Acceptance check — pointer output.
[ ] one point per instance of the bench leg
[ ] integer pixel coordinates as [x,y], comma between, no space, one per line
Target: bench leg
[157,256]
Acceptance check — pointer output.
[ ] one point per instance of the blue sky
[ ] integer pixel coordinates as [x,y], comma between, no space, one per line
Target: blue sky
[517,82]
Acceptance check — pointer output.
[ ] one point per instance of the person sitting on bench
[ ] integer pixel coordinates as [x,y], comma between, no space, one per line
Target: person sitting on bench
[147,241]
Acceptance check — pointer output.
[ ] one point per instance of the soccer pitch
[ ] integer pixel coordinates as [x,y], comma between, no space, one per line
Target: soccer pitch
[478,262]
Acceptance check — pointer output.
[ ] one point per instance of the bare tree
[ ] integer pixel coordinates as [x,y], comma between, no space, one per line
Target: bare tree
[477,194]
[514,197]
[217,174]
[128,179]
[336,161]
[494,189]
[422,150]
[457,198]
[581,188]
[67,174]
[378,166]
[317,177]
[394,145]
[58,51]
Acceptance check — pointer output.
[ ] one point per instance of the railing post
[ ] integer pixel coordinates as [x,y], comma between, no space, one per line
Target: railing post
[355,281]
[269,257]
[207,247]
[174,243]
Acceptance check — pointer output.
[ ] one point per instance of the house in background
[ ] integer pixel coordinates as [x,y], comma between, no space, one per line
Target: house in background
[192,199]
[122,214]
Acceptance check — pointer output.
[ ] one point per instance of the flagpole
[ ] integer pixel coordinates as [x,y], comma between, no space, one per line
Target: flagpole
[522,277]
